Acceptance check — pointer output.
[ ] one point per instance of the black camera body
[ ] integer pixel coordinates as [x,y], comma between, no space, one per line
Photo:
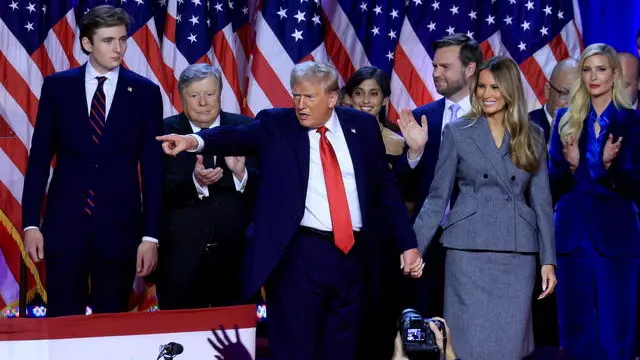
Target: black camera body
[417,337]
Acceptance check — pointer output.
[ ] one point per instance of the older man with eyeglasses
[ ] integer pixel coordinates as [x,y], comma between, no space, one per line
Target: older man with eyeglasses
[556,93]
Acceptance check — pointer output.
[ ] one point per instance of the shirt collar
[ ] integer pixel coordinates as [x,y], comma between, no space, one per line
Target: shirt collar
[605,114]
[333,124]
[196,128]
[91,73]
[465,105]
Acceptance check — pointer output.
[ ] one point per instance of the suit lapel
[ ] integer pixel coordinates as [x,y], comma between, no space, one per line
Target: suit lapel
[352,134]
[119,105]
[183,127]
[484,141]
[79,110]
[224,119]
[300,141]
[435,125]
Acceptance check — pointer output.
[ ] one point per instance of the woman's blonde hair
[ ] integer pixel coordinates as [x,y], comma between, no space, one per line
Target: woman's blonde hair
[579,99]
[525,143]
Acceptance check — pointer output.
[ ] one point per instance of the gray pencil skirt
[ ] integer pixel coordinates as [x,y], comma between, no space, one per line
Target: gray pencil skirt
[487,303]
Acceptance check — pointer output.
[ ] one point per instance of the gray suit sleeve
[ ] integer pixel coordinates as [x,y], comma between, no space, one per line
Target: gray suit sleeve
[434,206]
[540,201]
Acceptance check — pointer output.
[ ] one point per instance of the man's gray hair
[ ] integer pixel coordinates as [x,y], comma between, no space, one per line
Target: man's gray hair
[315,71]
[197,72]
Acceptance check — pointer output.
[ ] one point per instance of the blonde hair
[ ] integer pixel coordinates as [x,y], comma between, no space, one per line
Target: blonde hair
[525,144]
[579,99]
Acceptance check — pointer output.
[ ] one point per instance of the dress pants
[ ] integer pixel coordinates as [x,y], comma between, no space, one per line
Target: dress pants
[315,299]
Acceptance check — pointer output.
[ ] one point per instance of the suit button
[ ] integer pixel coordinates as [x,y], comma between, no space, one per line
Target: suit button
[486,176]
[513,178]
[508,198]
[95,166]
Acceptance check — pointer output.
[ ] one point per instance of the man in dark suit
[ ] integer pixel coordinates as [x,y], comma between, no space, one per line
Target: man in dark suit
[207,204]
[631,77]
[325,191]
[556,93]
[455,60]
[106,190]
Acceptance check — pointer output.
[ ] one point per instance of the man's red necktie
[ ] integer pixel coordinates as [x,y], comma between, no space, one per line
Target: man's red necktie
[338,205]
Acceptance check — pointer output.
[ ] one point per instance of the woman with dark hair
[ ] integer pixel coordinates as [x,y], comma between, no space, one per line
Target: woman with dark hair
[369,89]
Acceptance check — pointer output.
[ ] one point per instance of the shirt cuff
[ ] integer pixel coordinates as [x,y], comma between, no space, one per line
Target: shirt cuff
[203,191]
[200,143]
[31,227]
[150,239]
[241,184]
[413,163]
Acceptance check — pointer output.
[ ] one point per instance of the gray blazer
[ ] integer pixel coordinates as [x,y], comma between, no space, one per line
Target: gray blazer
[500,207]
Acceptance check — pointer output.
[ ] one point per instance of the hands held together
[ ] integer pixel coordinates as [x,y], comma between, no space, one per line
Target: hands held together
[411,263]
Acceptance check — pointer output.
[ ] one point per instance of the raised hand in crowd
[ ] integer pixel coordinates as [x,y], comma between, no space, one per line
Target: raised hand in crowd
[227,349]
[416,135]
[206,176]
[611,150]
[173,144]
[571,151]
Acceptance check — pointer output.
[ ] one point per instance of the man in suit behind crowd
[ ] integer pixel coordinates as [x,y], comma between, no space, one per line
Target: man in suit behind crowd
[556,93]
[325,190]
[454,64]
[104,201]
[207,204]
[631,77]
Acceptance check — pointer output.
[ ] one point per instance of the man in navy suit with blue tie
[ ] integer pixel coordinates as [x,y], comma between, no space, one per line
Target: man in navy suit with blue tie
[454,64]
[326,191]
[100,225]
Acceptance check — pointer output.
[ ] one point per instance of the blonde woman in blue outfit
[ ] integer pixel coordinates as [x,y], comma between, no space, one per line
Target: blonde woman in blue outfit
[594,171]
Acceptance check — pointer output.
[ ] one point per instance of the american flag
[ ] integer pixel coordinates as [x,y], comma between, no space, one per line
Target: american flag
[256,43]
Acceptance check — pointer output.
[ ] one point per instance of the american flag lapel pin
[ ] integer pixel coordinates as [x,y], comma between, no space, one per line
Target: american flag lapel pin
[129,89]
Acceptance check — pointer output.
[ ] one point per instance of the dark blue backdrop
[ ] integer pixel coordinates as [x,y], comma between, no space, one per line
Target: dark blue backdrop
[615,22]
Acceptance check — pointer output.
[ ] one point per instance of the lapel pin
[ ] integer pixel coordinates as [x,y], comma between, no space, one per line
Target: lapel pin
[353,131]
[129,89]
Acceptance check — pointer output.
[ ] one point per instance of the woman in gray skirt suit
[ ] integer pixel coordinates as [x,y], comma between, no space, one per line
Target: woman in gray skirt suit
[501,219]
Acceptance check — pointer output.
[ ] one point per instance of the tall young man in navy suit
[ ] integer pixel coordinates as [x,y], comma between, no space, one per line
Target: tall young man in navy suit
[103,203]
[454,63]
[325,191]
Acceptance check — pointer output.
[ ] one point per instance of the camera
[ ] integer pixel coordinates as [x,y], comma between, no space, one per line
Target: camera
[417,337]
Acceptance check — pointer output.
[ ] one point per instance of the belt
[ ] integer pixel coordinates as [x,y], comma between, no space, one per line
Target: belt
[322,233]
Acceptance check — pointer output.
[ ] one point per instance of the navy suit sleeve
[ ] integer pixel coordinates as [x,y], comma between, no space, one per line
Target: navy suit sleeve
[391,200]
[43,146]
[151,164]
[624,173]
[560,178]
[243,140]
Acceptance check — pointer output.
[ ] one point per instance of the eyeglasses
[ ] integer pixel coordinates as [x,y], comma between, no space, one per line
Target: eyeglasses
[562,94]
